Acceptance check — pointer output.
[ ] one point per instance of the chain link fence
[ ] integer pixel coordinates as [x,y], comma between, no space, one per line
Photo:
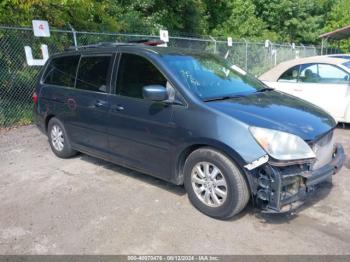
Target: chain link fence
[17,78]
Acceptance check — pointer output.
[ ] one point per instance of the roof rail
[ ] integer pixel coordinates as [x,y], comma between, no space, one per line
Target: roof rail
[150,42]
[114,44]
[100,44]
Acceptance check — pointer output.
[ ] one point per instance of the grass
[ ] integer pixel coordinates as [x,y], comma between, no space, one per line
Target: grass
[15,113]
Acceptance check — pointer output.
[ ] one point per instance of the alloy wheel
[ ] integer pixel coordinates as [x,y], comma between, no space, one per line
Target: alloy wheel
[57,137]
[209,184]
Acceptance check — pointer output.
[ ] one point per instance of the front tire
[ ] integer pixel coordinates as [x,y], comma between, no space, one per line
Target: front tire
[214,184]
[58,139]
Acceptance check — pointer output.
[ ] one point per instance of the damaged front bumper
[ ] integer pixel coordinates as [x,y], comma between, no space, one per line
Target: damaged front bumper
[282,189]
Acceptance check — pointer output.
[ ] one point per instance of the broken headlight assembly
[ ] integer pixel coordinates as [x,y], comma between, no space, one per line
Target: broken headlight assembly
[282,146]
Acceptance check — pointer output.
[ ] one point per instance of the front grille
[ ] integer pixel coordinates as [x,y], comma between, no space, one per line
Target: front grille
[323,149]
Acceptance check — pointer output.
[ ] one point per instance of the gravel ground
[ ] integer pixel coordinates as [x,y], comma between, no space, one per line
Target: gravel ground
[88,206]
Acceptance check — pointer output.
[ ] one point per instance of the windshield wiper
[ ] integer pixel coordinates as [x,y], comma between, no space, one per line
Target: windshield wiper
[221,98]
[264,89]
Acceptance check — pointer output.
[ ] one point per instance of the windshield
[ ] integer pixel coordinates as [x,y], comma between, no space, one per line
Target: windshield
[347,64]
[210,77]
[341,56]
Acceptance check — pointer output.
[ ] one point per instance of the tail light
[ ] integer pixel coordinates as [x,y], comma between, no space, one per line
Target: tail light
[35,98]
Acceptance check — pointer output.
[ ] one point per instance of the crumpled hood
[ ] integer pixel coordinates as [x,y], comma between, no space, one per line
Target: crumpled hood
[275,110]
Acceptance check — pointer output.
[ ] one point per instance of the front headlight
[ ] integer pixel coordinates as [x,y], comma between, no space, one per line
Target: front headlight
[281,145]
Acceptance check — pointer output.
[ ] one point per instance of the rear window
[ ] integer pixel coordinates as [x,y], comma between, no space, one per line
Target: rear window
[93,72]
[61,71]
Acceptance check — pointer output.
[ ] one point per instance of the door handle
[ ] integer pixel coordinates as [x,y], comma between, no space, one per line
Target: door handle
[100,103]
[118,108]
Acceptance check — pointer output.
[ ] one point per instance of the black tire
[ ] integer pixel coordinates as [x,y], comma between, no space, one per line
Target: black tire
[66,150]
[237,189]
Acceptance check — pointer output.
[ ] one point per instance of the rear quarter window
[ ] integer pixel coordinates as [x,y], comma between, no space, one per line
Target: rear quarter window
[61,71]
[291,75]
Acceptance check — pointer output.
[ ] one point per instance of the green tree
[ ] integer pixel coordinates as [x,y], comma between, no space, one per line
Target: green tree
[300,21]
[241,21]
[338,18]
[151,15]
[216,12]
[82,14]
[339,15]
[142,16]
[294,20]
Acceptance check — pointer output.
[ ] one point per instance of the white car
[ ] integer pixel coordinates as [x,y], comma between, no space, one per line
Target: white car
[343,56]
[321,80]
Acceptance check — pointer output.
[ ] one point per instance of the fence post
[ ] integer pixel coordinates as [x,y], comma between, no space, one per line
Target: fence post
[213,39]
[304,49]
[273,52]
[322,45]
[246,54]
[315,50]
[74,36]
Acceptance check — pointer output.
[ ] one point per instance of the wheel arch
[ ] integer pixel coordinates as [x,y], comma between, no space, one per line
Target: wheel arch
[229,152]
[47,120]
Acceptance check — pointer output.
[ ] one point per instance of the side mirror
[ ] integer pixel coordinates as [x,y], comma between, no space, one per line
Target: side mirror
[155,93]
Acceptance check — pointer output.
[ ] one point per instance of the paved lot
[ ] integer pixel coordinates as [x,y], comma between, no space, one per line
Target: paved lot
[85,205]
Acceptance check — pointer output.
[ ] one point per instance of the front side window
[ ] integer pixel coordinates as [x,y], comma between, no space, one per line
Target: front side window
[291,75]
[332,74]
[93,73]
[210,77]
[61,71]
[315,73]
[134,73]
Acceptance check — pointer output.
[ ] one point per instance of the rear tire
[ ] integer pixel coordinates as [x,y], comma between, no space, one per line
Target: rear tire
[214,184]
[59,140]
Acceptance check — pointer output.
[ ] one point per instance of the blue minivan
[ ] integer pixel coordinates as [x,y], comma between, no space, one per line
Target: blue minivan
[191,119]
